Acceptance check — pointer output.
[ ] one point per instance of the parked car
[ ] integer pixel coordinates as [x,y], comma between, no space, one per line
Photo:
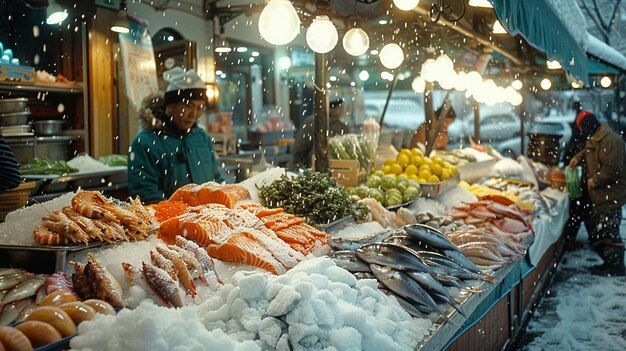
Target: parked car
[559,125]
[493,127]
[401,113]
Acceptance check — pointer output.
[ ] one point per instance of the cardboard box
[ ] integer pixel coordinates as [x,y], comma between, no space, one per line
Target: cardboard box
[16,72]
[345,171]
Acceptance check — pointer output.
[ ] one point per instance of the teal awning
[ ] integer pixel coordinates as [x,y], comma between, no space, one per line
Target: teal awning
[595,66]
[539,24]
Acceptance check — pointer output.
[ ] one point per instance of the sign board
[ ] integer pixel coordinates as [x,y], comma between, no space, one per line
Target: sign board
[110,4]
[139,65]
[345,172]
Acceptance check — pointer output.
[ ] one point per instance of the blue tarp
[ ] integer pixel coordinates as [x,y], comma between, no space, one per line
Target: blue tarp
[538,23]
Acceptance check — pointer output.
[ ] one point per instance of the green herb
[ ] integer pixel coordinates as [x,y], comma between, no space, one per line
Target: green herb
[315,196]
[114,160]
[40,166]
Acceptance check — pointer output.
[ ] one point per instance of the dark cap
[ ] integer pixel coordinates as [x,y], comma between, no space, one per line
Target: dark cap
[335,103]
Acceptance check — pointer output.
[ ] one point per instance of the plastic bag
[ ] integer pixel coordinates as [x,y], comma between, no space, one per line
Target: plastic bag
[574,185]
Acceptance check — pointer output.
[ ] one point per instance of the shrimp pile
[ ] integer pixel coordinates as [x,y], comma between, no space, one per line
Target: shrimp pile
[92,217]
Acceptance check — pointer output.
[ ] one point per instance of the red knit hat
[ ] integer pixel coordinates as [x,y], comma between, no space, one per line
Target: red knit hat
[580,117]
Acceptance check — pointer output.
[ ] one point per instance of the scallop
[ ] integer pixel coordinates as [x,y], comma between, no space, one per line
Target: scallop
[100,306]
[58,297]
[78,311]
[14,340]
[39,333]
[55,317]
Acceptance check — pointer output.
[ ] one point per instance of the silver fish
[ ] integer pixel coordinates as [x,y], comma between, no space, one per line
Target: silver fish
[349,261]
[203,257]
[25,289]
[12,310]
[403,285]
[7,271]
[432,285]
[392,255]
[11,280]
[409,308]
[430,236]
[354,243]
[462,261]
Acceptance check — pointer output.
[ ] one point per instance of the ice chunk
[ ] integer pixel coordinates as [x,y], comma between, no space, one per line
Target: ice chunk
[340,275]
[271,330]
[252,286]
[285,301]
[345,339]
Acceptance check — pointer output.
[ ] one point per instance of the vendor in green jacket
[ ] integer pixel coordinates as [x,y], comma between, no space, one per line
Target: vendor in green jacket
[171,150]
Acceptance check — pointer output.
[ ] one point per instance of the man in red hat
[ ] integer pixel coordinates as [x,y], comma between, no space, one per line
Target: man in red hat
[605,159]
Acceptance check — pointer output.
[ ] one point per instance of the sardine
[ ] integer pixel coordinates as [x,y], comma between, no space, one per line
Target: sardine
[163,285]
[409,308]
[364,275]
[355,243]
[12,310]
[349,261]
[484,252]
[102,283]
[462,260]
[24,289]
[448,280]
[430,236]
[403,285]
[392,255]
[432,285]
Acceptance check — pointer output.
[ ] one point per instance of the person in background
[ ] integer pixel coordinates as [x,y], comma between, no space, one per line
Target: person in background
[172,150]
[579,209]
[303,145]
[605,159]
[441,142]
[9,168]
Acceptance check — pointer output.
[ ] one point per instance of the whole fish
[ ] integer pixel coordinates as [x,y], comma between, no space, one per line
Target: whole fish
[24,289]
[163,285]
[135,277]
[364,275]
[403,285]
[501,252]
[12,310]
[103,284]
[486,262]
[432,285]
[354,243]
[392,255]
[485,253]
[6,271]
[408,241]
[448,280]
[430,236]
[203,257]
[409,308]
[11,280]
[462,260]
[349,261]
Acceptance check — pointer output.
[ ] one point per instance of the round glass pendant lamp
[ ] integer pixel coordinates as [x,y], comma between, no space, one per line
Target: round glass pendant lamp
[391,56]
[322,35]
[406,5]
[279,23]
[356,42]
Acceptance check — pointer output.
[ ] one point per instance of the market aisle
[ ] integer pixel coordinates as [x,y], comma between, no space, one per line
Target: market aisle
[580,311]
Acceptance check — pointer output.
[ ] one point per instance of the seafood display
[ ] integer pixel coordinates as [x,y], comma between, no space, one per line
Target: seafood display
[210,193]
[92,217]
[20,292]
[487,191]
[93,280]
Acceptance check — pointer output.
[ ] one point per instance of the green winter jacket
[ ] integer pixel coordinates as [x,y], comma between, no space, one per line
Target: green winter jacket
[161,161]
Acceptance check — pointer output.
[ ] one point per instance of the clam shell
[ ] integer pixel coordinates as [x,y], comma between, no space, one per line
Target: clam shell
[14,340]
[39,333]
[55,317]
[78,311]
[100,306]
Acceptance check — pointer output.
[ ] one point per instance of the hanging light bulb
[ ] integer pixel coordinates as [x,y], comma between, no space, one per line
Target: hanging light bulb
[406,5]
[55,14]
[429,72]
[447,79]
[121,23]
[418,85]
[356,42]
[516,99]
[605,82]
[546,84]
[473,80]
[279,23]
[322,35]
[391,56]
[498,28]
[364,75]
[480,3]
[517,84]
[460,83]
[222,45]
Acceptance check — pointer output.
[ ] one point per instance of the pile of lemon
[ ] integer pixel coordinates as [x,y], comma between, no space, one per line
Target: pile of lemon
[414,165]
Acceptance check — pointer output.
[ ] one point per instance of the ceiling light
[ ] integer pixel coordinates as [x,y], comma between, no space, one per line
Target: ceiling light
[480,3]
[374,52]
[55,14]
[218,72]
[418,85]
[554,64]
[279,23]
[517,84]
[255,54]
[498,28]
[364,75]
[284,63]
[222,45]
[333,78]
[322,35]
[251,59]
[391,56]
[406,5]
[428,71]
[242,49]
[121,23]
[383,21]
[605,82]
[223,75]
[356,42]
[546,84]
[170,38]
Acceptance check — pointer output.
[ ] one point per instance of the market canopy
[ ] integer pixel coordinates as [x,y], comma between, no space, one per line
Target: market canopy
[596,48]
[542,27]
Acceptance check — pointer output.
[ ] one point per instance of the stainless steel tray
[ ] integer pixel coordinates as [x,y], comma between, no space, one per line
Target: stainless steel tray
[406,204]
[60,251]
[437,189]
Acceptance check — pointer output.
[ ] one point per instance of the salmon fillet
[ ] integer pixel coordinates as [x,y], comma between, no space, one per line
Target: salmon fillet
[210,192]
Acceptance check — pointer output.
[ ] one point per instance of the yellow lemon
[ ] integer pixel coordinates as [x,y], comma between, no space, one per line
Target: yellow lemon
[403,160]
[396,169]
[416,152]
[426,167]
[436,170]
[421,180]
[433,179]
[427,161]
[387,169]
[411,169]
[453,169]
[389,162]
[445,174]
[413,176]
[405,152]
[424,174]
[438,160]
[416,160]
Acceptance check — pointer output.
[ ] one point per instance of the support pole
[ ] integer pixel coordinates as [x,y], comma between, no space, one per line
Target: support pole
[391,89]
[429,111]
[321,113]
[476,122]
[522,117]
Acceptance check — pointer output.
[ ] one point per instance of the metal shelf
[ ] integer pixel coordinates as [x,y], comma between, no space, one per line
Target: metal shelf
[36,88]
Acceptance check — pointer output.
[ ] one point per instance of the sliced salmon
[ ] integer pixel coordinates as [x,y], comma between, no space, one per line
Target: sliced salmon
[210,192]
[240,248]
